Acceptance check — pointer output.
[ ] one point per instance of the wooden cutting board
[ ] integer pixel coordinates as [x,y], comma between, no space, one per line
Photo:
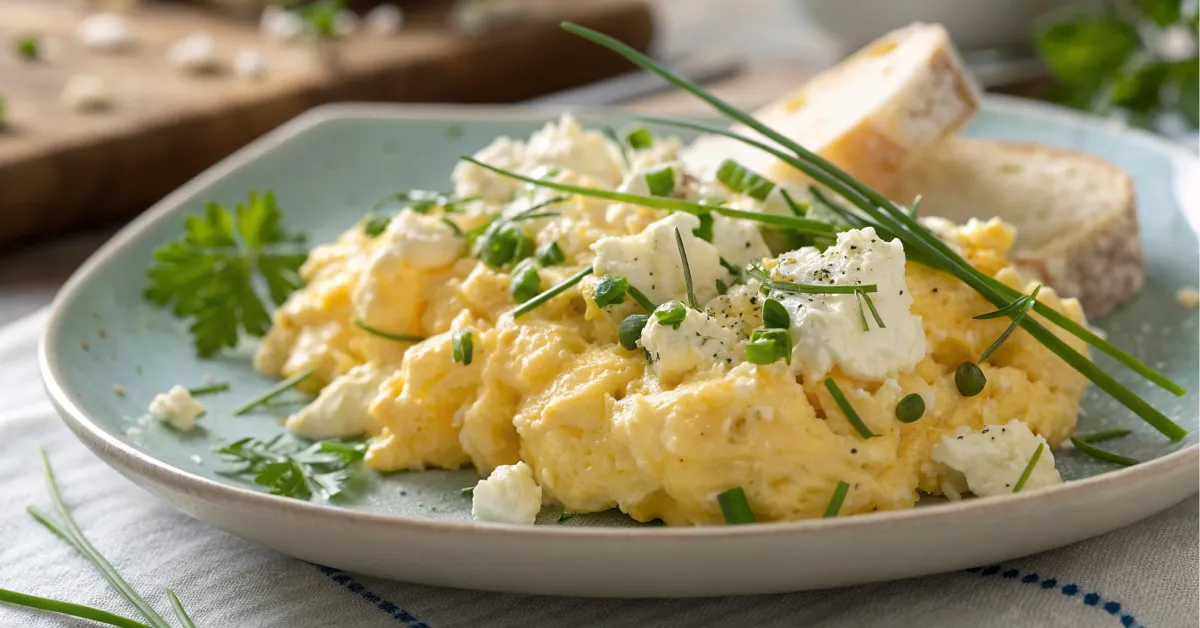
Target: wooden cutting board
[61,170]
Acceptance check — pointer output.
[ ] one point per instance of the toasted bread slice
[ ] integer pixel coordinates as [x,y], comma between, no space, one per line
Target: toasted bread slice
[871,114]
[1076,216]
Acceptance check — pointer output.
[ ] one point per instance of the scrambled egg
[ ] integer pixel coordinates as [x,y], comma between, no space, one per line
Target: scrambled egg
[599,426]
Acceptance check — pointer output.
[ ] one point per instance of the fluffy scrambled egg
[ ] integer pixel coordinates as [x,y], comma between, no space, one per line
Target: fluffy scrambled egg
[594,421]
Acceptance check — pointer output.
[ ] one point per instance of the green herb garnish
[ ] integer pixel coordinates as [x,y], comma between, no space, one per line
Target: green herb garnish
[1018,309]
[1101,454]
[27,48]
[864,297]
[184,619]
[630,330]
[526,282]
[756,271]
[847,409]
[661,181]
[210,275]
[969,379]
[67,608]
[910,408]
[705,230]
[462,345]
[554,291]
[503,242]
[384,334]
[610,290]
[744,181]
[322,469]
[671,313]
[767,346]
[774,315]
[639,138]
[735,507]
[1103,435]
[275,391]
[320,18]
[1037,453]
[687,271]
[835,502]
[549,254]
[208,390]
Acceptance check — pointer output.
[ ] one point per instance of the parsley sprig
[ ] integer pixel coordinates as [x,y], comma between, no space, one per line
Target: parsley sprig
[322,469]
[220,271]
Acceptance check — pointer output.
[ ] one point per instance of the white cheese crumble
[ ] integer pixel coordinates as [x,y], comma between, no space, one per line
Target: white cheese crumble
[990,461]
[196,54]
[565,145]
[177,407]
[342,408]
[700,343]
[105,32]
[249,64]
[739,241]
[385,19]
[650,260]
[419,240]
[280,24]
[85,92]
[508,495]
[828,327]
[471,180]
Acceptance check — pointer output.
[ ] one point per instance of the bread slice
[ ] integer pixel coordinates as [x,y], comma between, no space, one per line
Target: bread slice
[1076,215]
[871,114]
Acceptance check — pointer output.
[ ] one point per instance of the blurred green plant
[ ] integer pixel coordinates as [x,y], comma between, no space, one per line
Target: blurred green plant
[1138,57]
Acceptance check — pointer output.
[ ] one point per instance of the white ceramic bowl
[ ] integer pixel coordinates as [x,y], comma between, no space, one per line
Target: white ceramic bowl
[973,24]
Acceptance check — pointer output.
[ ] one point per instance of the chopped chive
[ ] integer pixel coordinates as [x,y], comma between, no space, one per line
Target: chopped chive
[969,379]
[1103,435]
[800,225]
[722,289]
[858,307]
[184,619]
[611,290]
[910,408]
[554,291]
[1017,317]
[792,205]
[275,391]
[774,315]
[835,502]
[383,334]
[730,268]
[630,330]
[1101,454]
[687,271]
[661,181]
[27,48]
[208,390]
[641,299]
[639,138]
[526,282]
[916,204]
[671,313]
[847,409]
[462,345]
[871,306]
[68,608]
[550,254]
[705,230]
[735,507]
[767,346]
[1037,453]
[742,180]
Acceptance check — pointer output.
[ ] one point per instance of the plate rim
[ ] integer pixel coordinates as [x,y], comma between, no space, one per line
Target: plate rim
[197,487]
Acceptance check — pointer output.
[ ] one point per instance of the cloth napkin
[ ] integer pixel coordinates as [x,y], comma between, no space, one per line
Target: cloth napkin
[1143,575]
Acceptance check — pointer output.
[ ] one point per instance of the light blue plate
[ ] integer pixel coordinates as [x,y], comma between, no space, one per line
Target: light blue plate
[327,169]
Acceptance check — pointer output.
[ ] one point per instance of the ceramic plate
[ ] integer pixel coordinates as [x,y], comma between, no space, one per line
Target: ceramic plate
[327,168]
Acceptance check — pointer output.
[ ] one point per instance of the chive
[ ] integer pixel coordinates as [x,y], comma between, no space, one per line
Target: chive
[671,313]
[565,516]
[184,620]
[722,289]
[862,317]
[661,181]
[69,531]
[27,48]
[1103,435]
[735,507]
[847,409]
[1017,317]
[792,223]
[639,138]
[774,315]
[374,224]
[912,209]
[554,291]
[730,268]
[468,491]
[462,346]
[523,245]
[208,390]
[767,346]
[550,254]
[610,291]
[383,334]
[756,271]
[1037,453]
[871,306]
[742,180]
[67,608]
[641,298]
[705,230]
[687,271]
[275,391]
[630,330]
[1101,454]
[792,205]
[535,216]
[611,134]
[454,227]
[910,408]
[526,282]
[835,502]
[969,379]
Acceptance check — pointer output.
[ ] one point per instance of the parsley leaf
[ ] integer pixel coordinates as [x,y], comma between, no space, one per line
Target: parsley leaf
[322,469]
[216,272]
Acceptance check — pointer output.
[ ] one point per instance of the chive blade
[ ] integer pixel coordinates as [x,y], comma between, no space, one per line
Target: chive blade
[687,270]
[68,608]
[1102,454]
[641,298]
[384,334]
[1103,435]
[1017,316]
[208,390]
[552,292]
[858,306]
[871,306]
[1037,453]
[275,391]
[735,507]
[835,502]
[847,409]
[184,619]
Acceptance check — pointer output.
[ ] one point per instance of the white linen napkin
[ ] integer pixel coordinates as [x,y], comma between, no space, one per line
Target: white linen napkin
[1147,574]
